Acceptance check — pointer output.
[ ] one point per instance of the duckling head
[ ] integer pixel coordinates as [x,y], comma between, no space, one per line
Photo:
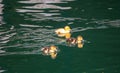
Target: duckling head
[53,47]
[79,39]
[67,28]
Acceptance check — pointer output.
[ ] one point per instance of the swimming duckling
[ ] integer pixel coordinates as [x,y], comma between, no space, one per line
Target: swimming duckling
[74,41]
[79,39]
[51,50]
[63,31]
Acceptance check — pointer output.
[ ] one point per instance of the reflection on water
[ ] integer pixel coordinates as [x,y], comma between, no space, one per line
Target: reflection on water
[42,10]
[1,12]
[35,22]
[25,39]
[1,22]
[45,1]
[46,6]
[5,36]
[41,6]
[1,7]
[1,71]
[107,22]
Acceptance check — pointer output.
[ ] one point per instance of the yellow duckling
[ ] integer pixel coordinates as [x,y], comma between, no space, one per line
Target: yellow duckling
[62,31]
[79,39]
[50,50]
[74,41]
[53,51]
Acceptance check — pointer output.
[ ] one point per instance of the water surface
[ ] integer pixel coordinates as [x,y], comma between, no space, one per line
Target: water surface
[28,25]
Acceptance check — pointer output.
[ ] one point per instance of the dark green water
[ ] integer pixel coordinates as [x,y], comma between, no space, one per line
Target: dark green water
[28,25]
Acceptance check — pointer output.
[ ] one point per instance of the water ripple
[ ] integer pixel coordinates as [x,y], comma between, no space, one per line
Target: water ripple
[5,35]
[106,22]
[1,12]
[45,1]
[1,7]
[46,6]
[1,71]
[27,40]
[30,37]
[88,28]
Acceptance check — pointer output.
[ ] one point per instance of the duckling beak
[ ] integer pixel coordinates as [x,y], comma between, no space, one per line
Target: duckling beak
[53,47]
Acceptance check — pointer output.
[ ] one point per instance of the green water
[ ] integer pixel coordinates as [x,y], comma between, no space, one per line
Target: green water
[28,25]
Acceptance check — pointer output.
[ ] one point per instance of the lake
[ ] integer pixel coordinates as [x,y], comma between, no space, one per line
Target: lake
[26,26]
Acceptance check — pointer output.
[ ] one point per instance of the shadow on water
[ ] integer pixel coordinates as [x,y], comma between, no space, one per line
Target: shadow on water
[28,25]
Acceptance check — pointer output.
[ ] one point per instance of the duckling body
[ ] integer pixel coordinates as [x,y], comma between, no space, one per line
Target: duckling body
[63,31]
[80,39]
[51,50]
[71,40]
[75,41]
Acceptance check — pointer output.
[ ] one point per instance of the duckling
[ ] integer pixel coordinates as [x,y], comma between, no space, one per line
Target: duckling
[79,39]
[74,41]
[62,31]
[51,50]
